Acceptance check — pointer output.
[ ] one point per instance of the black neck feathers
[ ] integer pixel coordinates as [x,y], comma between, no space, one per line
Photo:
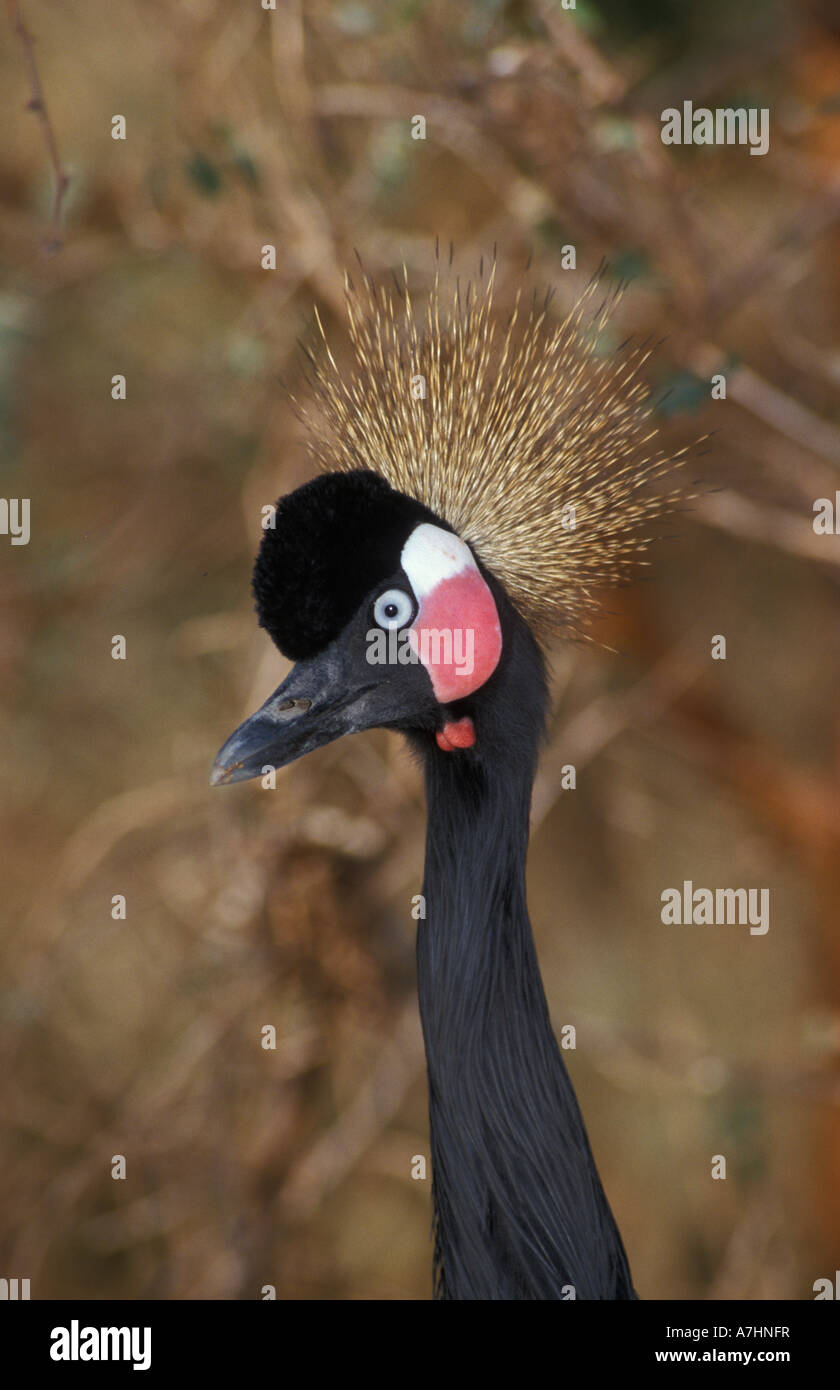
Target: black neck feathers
[519,1208]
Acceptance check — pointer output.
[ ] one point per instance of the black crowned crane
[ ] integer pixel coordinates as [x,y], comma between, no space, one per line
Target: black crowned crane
[480,487]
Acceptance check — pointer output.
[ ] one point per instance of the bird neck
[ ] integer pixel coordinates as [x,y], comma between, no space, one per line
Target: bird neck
[519,1208]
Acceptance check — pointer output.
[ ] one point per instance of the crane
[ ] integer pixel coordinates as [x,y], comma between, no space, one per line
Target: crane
[479,485]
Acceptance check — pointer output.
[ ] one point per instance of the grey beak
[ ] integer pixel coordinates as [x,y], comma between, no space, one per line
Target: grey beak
[314,705]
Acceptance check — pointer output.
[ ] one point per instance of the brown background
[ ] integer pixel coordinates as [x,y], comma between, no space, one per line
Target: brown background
[291,1167]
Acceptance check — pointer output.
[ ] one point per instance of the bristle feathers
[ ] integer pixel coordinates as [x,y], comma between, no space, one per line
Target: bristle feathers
[535,448]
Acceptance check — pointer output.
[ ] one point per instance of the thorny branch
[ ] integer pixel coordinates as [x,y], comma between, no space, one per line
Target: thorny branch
[37,103]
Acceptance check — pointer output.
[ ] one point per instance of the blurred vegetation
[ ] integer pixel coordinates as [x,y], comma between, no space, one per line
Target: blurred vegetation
[141,1037]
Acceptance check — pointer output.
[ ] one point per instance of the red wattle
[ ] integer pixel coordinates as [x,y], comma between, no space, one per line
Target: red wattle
[456,733]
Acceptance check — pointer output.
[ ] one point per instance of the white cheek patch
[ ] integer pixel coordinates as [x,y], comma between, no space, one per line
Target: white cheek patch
[431,555]
[456,633]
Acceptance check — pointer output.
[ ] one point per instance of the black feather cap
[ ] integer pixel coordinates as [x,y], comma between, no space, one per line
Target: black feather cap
[333,541]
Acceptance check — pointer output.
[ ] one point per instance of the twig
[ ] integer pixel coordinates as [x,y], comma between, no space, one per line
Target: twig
[456,129]
[53,241]
[766,525]
[589,731]
[777,409]
[601,81]
[324,1166]
[759,266]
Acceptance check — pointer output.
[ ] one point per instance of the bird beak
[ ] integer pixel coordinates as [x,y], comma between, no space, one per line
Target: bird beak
[312,707]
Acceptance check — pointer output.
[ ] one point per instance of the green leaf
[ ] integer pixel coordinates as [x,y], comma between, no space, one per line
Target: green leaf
[685,391]
[204,175]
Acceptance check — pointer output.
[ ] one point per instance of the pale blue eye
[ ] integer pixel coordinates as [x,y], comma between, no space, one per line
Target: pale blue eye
[393,609]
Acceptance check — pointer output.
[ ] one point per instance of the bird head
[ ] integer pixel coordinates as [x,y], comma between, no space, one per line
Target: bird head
[480,489]
[387,614]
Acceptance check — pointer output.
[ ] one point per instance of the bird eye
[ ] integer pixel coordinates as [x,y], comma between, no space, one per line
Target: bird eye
[393,609]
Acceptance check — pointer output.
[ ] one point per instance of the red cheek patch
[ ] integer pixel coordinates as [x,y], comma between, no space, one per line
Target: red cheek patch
[457,636]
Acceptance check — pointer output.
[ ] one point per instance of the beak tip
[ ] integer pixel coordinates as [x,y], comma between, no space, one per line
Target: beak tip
[222,772]
[267,739]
